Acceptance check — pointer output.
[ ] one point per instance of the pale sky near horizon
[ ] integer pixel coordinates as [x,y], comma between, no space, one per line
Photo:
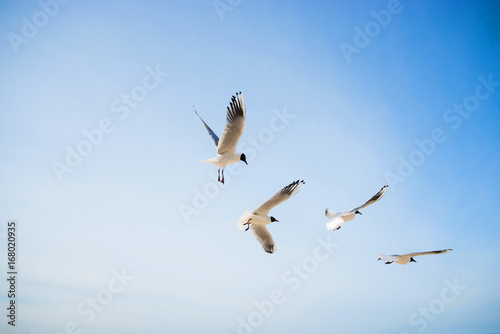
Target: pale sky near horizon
[122,230]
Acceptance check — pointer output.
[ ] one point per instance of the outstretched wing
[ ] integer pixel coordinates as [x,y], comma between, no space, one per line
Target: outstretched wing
[235,125]
[375,198]
[210,132]
[429,253]
[329,214]
[263,236]
[279,197]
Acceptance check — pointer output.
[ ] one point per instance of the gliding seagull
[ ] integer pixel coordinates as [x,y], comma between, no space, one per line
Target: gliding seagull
[337,219]
[226,146]
[407,258]
[258,220]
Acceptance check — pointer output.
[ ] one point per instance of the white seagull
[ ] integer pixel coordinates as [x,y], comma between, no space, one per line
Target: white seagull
[338,218]
[407,258]
[258,220]
[226,146]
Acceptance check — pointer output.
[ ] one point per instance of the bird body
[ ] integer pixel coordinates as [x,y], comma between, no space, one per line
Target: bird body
[256,219]
[407,258]
[338,218]
[222,161]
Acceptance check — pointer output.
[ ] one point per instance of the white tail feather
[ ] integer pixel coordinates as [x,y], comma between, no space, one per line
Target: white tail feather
[243,219]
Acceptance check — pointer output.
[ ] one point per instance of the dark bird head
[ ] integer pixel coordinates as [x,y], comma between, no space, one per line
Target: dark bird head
[359,213]
[412,260]
[274,219]
[243,158]
[379,259]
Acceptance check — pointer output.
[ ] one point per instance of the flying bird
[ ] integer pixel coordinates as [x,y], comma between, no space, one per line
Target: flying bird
[338,218]
[226,145]
[257,220]
[407,258]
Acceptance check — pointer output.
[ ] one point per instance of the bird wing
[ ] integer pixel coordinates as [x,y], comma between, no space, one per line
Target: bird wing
[375,198]
[329,214]
[279,197]
[263,236]
[429,253]
[210,131]
[235,125]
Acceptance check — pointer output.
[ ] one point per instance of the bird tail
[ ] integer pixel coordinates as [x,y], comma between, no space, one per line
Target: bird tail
[243,219]
[211,160]
[383,257]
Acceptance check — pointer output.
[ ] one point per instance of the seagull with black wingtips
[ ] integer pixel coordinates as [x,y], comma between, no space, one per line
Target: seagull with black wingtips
[407,258]
[258,219]
[338,218]
[226,145]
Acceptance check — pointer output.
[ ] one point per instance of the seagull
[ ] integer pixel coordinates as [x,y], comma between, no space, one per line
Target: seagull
[226,146]
[258,219]
[406,258]
[338,218]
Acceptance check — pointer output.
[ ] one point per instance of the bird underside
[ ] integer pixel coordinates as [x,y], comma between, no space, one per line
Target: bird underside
[247,223]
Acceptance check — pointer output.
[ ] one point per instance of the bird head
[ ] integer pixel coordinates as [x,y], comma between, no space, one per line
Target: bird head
[243,158]
[274,219]
[412,260]
[358,213]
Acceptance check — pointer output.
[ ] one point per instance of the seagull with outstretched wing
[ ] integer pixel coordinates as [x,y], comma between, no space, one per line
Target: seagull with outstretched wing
[257,220]
[338,218]
[226,144]
[407,258]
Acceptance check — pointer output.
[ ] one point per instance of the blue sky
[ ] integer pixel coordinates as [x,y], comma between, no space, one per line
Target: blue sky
[140,229]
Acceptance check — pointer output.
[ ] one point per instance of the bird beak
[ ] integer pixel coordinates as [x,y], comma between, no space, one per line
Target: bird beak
[245,162]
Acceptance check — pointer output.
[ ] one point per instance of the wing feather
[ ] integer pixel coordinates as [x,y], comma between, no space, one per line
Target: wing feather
[429,253]
[235,125]
[263,236]
[281,196]
[212,134]
[374,199]
[329,214]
